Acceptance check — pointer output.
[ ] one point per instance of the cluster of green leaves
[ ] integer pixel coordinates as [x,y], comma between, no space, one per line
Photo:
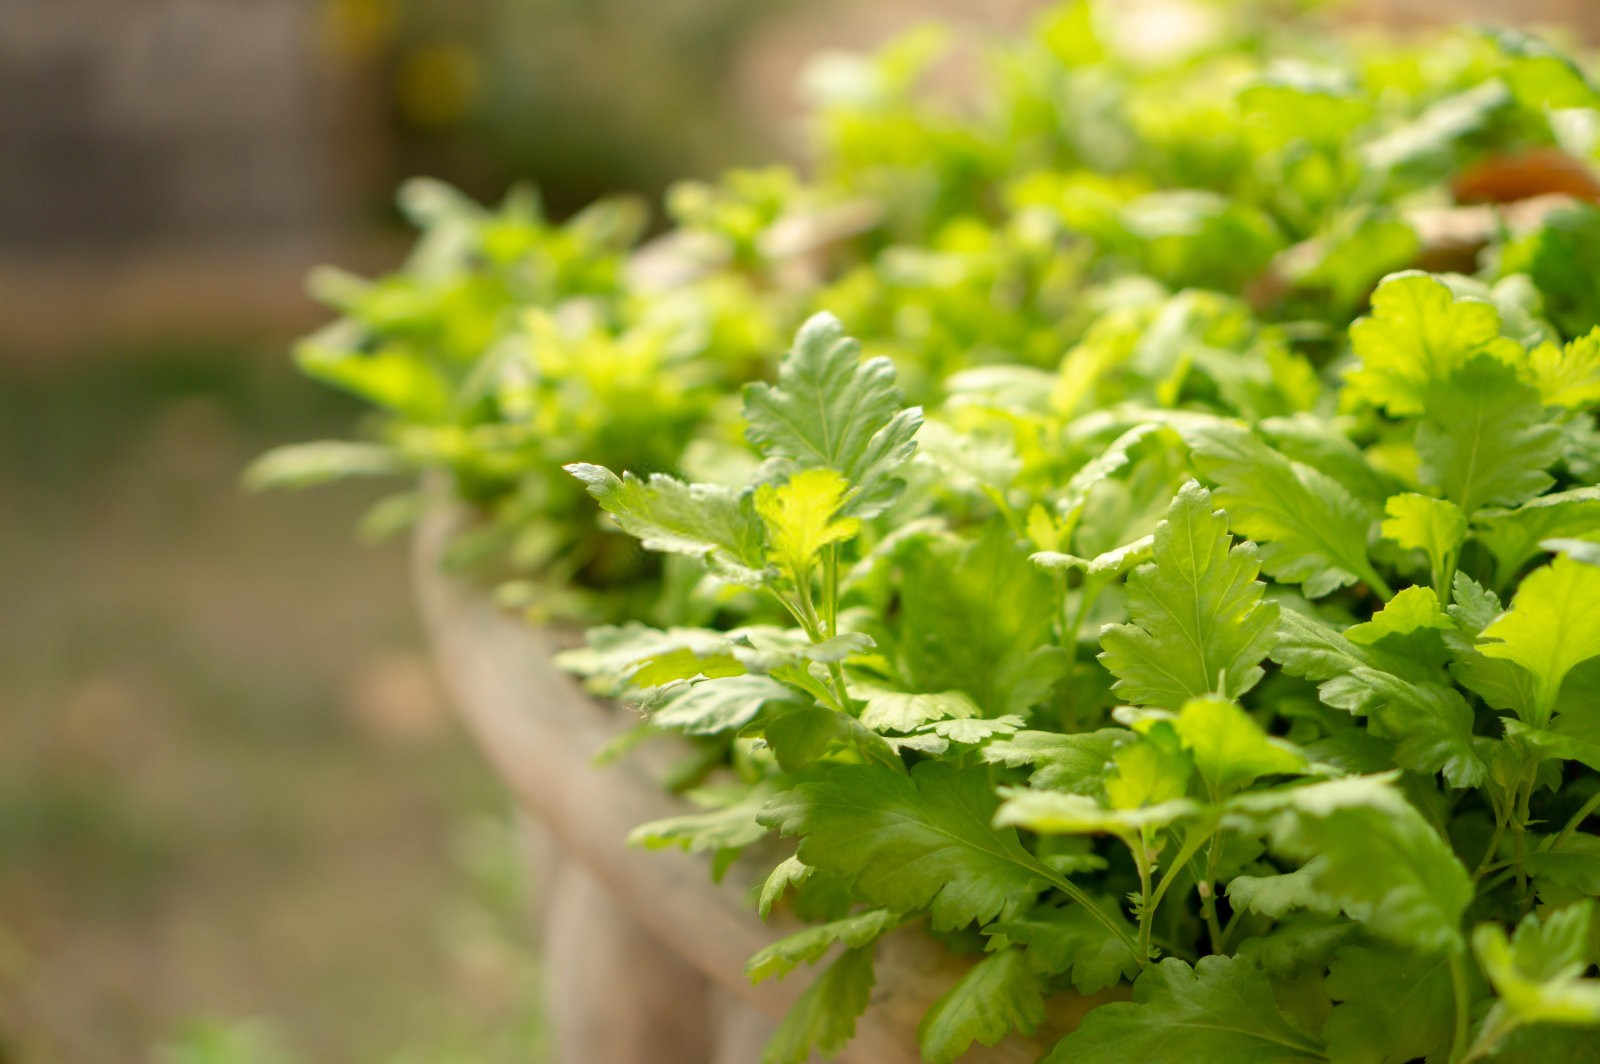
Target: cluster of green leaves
[1264,164]
[1229,624]
[1286,719]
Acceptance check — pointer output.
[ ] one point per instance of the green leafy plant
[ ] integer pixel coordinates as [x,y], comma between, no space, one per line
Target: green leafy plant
[1171,587]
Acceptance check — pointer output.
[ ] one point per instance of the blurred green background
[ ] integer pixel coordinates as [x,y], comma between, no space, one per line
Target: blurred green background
[237,821]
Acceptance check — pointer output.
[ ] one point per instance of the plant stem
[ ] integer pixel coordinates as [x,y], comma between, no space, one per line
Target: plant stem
[1488,861]
[1078,896]
[1208,897]
[1572,824]
[1141,858]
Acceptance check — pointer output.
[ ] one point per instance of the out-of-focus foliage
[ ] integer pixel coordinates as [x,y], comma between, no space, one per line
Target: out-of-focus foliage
[1167,584]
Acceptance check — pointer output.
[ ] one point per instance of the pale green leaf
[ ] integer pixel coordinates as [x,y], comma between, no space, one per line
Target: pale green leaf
[1057,813]
[790,872]
[702,520]
[1076,762]
[1412,609]
[1538,973]
[830,409]
[901,711]
[718,704]
[1514,536]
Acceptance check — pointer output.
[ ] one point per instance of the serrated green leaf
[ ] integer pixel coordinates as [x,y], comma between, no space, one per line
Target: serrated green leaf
[1311,530]
[1552,626]
[1431,723]
[1419,333]
[1055,813]
[701,520]
[790,872]
[1221,1011]
[1515,536]
[1277,896]
[808,946]
[1434,526]
[1568,376]
[1485,439]
[1413,609]
[1393,1006]
[730,827]
[1199,625]
[1370,852]
[829,409]
[800,518]
[1152,771]
[1229,748]
[910,841]
[824,1018]
[1000,994]
[1070,939]
[720,704]
[954,633]
[1076,762]
[801,732]
[902,711]
[970,731]
[1538,973]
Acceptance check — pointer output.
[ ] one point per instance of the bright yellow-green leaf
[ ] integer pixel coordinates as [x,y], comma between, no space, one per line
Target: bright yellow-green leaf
[1434,526]
[1229,748]
[800,516]
[1419,333]
[1412,609]
[1570,375]
[1553,624]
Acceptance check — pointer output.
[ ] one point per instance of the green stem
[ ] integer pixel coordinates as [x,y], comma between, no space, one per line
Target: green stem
[1485,865]
[1141,858]
[1377,584]
[830,589]
[1443,580]
[1522,813]
[1078,896]
[1572,824]
[1208,897]
[1191,846]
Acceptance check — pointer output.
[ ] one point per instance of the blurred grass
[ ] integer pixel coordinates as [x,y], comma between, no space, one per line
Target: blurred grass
[236,820]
